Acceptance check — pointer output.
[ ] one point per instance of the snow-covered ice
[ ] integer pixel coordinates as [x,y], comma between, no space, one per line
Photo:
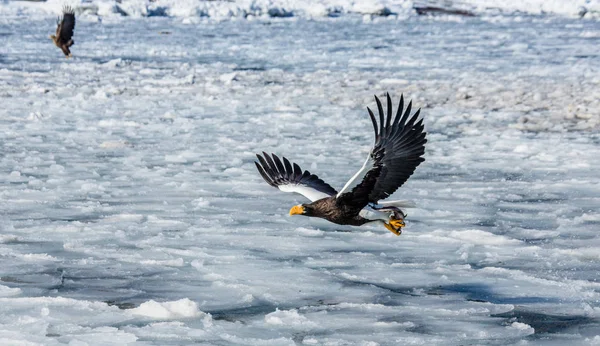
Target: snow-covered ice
[132,211]
[222,9]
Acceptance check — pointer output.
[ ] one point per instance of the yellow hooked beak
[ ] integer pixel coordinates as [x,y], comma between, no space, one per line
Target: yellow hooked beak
[297,210]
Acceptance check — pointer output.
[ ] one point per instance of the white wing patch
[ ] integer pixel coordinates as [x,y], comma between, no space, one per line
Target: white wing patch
[358,177]
[304,190]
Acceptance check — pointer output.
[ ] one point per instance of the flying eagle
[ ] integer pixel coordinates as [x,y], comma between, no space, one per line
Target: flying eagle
[398,150]
[64,31]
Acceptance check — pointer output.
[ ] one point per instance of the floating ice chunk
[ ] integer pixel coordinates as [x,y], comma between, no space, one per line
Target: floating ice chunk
[106,9]
[7,238]
[479,237]
[569,8]
[583,253]
[371,8]
[8,291]
[522,148]
[288,318]
[522,328]
[587,217]
[228,78]
[198,264]
[309,232]
[213,277]
[37,116]
[594,341]
[114,144]
[165,222]
[200,203]
[91,188]
[38,257]
[113,63]
[177,262]
[317,10]
[183,308]
[125,218]
[394,324]
[182,157]
[393,81]
[15,176]
[117,123]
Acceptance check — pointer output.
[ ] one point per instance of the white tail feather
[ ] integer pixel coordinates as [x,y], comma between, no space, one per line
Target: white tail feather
[399,204]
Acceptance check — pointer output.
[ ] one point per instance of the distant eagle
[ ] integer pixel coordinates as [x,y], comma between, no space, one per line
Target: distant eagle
[398,150]
[64,31]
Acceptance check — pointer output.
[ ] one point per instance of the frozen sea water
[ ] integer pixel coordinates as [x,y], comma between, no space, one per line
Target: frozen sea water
[132,210]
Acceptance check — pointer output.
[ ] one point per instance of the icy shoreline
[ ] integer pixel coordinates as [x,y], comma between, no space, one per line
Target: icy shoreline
[296,8]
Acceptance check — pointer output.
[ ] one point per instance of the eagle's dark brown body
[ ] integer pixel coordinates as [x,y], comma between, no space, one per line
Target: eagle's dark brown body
[330,210]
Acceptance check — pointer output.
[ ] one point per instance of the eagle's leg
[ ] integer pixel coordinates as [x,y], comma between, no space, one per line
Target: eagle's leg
[66,51]
[391,217]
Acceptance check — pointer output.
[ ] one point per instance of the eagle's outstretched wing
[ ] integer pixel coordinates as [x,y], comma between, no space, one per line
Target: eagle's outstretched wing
[398,150]
[64,31]
[288,177]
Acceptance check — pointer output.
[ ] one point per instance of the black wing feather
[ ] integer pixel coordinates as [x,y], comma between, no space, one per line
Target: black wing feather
[389,111]
[276,173]
[297,170]
[67,25]
[288,168]
[263,174]
[279,165]
[397,152]
[270,162]
[399,111]
[374,123]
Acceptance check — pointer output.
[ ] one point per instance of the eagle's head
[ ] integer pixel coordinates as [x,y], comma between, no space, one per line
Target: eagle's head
[53,38]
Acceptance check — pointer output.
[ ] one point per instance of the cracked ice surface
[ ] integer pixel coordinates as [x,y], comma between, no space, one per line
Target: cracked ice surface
[132,210]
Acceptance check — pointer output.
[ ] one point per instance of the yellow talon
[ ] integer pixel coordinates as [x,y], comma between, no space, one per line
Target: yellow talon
[397,223]
[396,231]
